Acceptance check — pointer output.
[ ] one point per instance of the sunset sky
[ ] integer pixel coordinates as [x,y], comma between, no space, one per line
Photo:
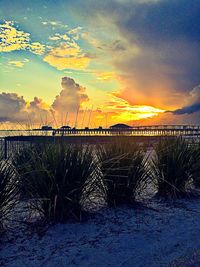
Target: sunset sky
[111,61]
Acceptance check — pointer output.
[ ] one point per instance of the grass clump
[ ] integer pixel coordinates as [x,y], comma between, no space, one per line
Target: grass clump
[196,167]
[173,167]
[58,179]
[8,192]
[24,163]
[124,171]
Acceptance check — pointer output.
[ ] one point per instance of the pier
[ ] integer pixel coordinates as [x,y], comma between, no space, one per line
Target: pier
[155,130]
[14,140]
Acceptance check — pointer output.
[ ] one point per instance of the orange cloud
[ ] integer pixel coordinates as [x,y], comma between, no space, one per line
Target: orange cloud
[124,111]
[12,39]
[105,76]
[158,92]
[67,56]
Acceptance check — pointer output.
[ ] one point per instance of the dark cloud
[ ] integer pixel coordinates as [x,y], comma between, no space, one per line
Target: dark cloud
[167,34]
[193,103]
[187,110]
[164,20]
[15,109]
[168,118]
[118,45]
[11,105]
[148,22]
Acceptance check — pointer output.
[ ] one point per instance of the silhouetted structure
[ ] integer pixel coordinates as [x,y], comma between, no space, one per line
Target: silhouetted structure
[120,126]
[46,128]
[65,127]
[115,130]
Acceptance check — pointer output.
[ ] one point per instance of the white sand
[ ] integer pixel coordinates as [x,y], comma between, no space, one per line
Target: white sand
[120,238]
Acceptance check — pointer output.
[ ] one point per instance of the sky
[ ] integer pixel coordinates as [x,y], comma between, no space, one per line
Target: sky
[95,63]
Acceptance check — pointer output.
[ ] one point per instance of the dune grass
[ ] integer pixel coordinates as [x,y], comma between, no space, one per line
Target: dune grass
[123,167]
[57,179]
[196,167]
[23,162]
[8,192]
[173,167]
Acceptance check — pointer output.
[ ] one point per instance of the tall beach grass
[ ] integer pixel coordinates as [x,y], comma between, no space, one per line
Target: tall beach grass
[62,182]
[173,167]
[8,192]
[124,171]
[57,179]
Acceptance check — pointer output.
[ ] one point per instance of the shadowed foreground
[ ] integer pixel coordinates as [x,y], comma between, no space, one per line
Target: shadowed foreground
[154,236]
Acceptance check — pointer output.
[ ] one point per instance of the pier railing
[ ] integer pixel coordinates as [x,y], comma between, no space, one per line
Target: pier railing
[13,144]
[166,130]
[13,141]
[155,130]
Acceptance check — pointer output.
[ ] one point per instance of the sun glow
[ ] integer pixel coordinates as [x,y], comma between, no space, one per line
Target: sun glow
[124,111]
[138,112]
